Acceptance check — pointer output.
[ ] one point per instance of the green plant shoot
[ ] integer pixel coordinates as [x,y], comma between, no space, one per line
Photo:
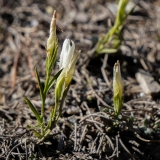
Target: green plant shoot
[110,42]
[68,59]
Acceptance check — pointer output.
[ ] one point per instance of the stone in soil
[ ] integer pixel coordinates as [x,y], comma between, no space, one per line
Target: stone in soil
[147,83]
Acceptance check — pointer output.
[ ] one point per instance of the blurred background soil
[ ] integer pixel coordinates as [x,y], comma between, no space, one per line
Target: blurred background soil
[83,130]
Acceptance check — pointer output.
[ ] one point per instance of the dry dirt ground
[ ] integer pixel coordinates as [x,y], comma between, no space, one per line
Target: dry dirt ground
[87,127]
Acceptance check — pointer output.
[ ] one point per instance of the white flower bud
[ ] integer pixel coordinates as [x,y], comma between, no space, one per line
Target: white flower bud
[68,59]
[66,53]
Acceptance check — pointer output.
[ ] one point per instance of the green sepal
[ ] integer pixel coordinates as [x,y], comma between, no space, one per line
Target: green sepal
[33,110]
[59,88]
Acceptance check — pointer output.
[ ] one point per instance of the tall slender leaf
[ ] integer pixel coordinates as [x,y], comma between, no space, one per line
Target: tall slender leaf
[39,84]
[33,110]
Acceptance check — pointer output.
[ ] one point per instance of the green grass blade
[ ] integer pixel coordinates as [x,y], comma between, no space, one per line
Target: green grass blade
[33,110]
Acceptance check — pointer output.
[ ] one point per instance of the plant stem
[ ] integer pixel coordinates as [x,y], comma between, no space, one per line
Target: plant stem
[43,103]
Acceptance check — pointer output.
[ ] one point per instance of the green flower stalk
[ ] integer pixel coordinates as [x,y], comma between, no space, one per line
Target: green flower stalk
[117,89]
[52,50]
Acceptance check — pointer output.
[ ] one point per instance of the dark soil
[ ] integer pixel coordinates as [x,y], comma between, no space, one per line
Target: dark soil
[85,130]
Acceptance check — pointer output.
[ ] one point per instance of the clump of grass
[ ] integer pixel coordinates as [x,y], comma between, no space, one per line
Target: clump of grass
[68,59]
[110,42]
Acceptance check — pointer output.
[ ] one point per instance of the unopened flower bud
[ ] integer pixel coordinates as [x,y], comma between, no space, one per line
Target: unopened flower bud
[52,46]
[52,36]
[117,88]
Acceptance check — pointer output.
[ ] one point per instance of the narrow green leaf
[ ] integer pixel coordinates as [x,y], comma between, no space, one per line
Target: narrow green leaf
[51,83]
[39,84]
[33,110]
[109,50]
